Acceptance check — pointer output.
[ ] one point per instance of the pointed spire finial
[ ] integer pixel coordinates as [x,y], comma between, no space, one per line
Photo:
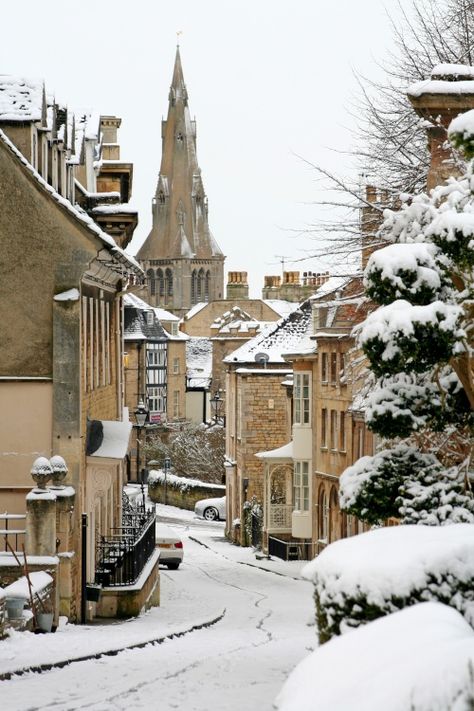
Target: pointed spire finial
[179,32]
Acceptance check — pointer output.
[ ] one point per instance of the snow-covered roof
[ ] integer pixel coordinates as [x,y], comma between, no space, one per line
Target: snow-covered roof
[131,299]
[21,99]
[283,308]
[236,321]
[284,452]
[116,436]
[198,362]
[445,79]
[137,324]
[284,336]
[195,310]
[75,211]
[164,315]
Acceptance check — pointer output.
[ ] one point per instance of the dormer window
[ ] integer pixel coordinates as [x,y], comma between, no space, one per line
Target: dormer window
[174,329]
[150,319]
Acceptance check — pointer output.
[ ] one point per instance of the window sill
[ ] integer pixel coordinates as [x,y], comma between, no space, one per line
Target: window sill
[325,449]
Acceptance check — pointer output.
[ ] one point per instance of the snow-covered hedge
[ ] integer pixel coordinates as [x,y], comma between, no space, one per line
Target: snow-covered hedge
[406,484]
[419,659]
[364,577]
[181,483]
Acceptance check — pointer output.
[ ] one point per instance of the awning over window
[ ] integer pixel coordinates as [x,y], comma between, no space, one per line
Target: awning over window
[115,439]
[285,452]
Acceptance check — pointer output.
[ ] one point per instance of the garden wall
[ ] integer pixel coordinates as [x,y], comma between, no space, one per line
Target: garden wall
[180,491]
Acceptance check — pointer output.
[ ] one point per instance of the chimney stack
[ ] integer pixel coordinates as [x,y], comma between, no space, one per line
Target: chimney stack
[237,286]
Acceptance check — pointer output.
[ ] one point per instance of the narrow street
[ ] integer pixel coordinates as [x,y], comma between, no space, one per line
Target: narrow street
[243,659]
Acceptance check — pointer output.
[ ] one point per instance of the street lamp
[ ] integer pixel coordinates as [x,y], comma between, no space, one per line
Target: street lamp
[167,471]
[216,402]
[141,414]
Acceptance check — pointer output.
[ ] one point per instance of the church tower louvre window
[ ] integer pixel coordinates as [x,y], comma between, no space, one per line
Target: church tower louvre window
[180,240]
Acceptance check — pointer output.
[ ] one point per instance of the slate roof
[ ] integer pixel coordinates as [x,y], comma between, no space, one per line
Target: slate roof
[276,339]
[137,328]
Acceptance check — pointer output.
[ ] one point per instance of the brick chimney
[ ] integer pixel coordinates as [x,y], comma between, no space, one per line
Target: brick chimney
[448,93]
[237,286]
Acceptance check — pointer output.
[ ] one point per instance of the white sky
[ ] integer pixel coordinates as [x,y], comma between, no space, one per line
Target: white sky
[267,80]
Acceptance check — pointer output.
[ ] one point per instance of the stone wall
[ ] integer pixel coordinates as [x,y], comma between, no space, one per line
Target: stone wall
[183,498]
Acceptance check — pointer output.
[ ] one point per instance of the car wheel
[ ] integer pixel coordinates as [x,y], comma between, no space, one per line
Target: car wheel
[211,514]
[172,566]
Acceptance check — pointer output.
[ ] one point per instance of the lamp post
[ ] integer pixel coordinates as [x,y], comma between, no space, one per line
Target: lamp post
[141,414]
[216,402]
[167,471]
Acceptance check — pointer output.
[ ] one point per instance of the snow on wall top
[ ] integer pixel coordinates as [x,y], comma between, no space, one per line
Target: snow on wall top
[198,361]
[21,99]
[452,70]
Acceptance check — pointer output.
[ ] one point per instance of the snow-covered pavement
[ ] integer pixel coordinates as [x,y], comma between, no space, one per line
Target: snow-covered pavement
[241,660]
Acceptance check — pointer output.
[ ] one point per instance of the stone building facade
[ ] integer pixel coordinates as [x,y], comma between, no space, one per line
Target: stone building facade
[61,361]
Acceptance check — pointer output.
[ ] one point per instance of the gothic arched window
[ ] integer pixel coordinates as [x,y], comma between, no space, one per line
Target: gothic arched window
[194,287]
[207,285]
[169,282]
[200,285]
[151,280]
[161,282]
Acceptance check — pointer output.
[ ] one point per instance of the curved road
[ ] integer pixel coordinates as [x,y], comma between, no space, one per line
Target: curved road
[240,662]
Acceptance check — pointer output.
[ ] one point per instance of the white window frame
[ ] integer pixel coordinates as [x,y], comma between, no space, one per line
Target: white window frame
[301,486]
[176,365]
[302,399]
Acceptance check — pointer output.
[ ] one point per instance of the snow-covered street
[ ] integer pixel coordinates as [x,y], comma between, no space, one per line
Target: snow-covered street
[264,628]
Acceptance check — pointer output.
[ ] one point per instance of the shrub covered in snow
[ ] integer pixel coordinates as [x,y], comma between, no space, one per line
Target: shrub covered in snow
[419,659]
[403,482]
[196,451]
[420,344]
[364,577]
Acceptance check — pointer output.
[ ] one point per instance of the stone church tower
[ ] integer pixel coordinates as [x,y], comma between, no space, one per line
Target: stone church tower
[182,261]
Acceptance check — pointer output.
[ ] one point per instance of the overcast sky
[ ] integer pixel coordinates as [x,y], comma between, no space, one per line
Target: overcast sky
[268,80]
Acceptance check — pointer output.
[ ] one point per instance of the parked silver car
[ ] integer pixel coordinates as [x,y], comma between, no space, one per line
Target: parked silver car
[170,545]
[211,509]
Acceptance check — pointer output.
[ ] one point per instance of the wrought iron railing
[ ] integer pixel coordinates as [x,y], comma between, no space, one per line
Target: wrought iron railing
[121,558]
[291,550]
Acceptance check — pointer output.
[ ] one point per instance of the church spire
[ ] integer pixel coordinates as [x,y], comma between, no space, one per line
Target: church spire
[180,215]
